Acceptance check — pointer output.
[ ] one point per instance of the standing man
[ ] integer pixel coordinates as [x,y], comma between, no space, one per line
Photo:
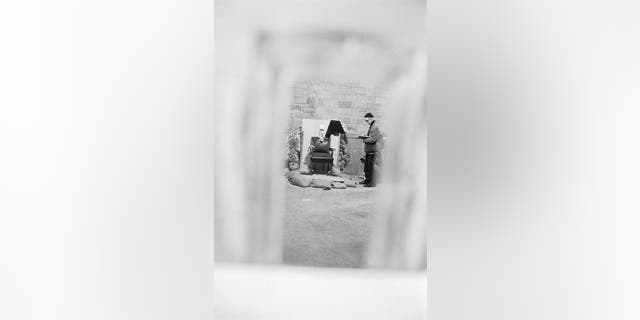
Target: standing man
[371,149]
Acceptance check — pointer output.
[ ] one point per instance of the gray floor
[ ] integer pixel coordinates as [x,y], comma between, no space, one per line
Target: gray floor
[327,228]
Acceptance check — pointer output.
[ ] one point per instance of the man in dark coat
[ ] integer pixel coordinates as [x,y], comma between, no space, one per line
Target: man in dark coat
[372,143]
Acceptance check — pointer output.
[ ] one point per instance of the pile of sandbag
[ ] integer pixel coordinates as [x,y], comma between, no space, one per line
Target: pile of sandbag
[297,179]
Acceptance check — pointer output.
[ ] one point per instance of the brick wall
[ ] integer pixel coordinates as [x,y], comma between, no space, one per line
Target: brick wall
[347,102]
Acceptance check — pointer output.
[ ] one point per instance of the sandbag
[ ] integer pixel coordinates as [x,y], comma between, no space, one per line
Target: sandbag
[296,179]
[293,165]
[321,183]
[338,185]
[349,183]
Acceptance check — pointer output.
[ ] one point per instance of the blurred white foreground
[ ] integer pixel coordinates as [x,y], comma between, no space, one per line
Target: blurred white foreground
[244,291]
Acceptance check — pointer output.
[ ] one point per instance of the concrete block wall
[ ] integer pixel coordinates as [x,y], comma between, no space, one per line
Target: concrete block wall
[347,102]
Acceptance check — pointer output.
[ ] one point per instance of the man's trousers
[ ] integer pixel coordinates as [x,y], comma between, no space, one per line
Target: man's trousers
[369,175]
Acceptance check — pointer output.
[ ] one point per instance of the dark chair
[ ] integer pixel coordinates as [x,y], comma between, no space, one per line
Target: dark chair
[321,156]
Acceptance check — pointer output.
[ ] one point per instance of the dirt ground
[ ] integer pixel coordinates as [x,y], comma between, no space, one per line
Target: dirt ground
[327,228]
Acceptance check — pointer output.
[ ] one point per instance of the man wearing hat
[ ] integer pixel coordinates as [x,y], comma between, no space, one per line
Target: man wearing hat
[371,149]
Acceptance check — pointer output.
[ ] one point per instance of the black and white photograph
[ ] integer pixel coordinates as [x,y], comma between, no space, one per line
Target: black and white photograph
[319,160]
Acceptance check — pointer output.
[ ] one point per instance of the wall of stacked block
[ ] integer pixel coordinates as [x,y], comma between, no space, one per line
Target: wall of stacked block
[347,102]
